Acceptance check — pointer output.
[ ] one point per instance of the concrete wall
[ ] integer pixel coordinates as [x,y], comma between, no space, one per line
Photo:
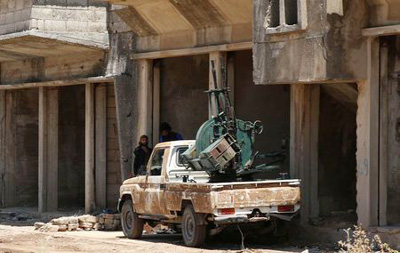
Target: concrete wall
[337,157]
[184,105]
[113,154]
[56,67]
[71,172]
[26,146]
[331,47]
[270,104]
[14,15]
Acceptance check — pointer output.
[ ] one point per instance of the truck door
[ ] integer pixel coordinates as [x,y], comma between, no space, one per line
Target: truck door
[155,182]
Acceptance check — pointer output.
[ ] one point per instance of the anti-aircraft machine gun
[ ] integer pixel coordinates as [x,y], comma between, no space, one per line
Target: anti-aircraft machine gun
[225,145]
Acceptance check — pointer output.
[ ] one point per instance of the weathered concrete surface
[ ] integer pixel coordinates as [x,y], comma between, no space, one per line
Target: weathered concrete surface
[125,84]
[270,104]
[331,48]
[184,104]
[164,24]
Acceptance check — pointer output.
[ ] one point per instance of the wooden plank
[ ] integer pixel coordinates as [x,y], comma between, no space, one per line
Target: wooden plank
[52,149]
[89,149]
[156,103]
[193,51]
[79,81]
[42,159]
[381,31]
[2,147]
[145,98]
[101,145]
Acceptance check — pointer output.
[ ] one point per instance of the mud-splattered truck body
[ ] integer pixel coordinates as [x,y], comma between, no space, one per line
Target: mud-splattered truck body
[169,192]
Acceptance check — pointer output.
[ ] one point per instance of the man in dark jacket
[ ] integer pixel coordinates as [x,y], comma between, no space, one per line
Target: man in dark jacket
[167,134]
[142,154]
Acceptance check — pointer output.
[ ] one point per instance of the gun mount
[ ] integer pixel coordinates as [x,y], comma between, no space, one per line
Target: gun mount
[224,144]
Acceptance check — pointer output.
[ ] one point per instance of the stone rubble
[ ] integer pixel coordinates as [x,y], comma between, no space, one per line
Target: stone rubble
[109,222]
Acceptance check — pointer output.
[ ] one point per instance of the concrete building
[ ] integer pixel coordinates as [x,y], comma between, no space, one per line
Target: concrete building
[322,73]
[58,130]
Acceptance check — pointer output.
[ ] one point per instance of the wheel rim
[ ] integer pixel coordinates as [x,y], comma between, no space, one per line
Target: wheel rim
[129,220]
[190,226]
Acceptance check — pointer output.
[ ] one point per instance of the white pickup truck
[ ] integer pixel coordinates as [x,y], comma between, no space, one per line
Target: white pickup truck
[170,193]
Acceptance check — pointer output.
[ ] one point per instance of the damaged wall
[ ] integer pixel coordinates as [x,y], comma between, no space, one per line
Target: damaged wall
[336,156]
[71,160]
[184,104]
[270,104]
[330,48]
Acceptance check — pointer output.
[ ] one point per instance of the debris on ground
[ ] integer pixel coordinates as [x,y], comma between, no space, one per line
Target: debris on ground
[104,221]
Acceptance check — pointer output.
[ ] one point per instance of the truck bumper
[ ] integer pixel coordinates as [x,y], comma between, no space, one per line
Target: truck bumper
[235,219]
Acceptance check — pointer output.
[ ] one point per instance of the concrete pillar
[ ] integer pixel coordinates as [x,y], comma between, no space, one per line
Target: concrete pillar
[101,145]
[89,149]
[48,149]
[2,147]
[156,103]
[145,98]
[304,117]
[220,60]
[368,140]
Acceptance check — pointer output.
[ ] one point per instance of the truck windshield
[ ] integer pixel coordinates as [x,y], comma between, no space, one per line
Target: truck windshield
[156,162]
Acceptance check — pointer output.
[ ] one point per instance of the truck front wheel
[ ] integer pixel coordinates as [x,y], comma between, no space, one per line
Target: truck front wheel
[193,228]
[132,225]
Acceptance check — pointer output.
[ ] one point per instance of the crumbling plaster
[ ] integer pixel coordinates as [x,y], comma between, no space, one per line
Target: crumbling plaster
[331,49]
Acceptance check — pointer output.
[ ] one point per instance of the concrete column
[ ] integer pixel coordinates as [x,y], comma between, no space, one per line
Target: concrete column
[368,140]
[89,149]
[101,145]
[48,150]
[304,117]
[145,98]
[10,149]
[220,60]
[2,147]
[156,103]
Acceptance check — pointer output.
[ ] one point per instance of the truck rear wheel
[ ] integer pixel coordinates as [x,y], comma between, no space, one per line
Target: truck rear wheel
[132,225]
[193,228]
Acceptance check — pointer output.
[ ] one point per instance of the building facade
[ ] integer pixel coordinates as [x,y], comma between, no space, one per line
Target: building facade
[82,80]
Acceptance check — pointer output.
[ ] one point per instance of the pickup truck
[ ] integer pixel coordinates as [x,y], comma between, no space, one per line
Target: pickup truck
[171,193]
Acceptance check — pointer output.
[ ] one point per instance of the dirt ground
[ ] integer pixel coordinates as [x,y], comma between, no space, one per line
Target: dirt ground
[26,239]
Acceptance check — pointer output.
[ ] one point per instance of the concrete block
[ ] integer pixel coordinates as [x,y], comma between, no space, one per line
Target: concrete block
[42,13]
[97,26]
[11,5]
[64,14]
[10,18]
[76,26]
[2,19]
[19,5]
[54,25]
[77,3]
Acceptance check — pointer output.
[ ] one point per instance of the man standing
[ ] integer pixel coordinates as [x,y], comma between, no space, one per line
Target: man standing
[167,134]
[142,154]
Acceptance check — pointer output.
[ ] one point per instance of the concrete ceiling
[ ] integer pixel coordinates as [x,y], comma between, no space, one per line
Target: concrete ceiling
[152,17]
[27,45]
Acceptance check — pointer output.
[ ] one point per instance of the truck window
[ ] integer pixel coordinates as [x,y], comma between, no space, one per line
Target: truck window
[156,162]
[179,152]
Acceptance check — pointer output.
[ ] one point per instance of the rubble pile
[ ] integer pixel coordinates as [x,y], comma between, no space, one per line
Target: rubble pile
[109,222]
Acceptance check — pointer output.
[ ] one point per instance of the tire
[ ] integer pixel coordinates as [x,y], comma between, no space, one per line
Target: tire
[132,225]
[193,233]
